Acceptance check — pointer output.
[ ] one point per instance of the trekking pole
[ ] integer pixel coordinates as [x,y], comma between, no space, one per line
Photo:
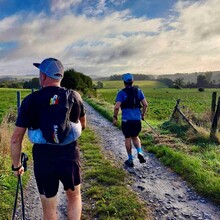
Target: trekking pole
[151,127]
[19,185]
[24,159]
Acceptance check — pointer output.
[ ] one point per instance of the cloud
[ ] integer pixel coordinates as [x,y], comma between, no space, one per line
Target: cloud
[116,42]
[61,5]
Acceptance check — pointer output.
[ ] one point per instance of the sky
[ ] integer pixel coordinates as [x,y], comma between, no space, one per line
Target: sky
[108,37]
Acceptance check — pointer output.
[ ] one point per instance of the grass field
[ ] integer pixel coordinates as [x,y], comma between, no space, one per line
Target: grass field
[8,111]
[162,100]
[8,99]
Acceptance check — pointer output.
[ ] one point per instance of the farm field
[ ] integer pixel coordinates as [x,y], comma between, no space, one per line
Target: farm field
[162,100]
[8,100]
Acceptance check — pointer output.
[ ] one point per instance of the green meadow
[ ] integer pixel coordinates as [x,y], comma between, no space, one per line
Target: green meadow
[161,99]
[8,100]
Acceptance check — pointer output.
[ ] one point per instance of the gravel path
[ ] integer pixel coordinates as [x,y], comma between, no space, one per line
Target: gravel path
[166,194]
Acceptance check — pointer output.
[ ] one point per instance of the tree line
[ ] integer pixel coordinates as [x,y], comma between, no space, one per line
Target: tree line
[202,81]
[80,82]
[71,80]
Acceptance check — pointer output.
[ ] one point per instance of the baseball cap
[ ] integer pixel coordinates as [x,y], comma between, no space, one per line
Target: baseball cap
[51,67]
[127,77]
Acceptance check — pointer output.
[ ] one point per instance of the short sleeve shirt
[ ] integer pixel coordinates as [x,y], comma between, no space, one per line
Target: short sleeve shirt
[25,117]
[130,114]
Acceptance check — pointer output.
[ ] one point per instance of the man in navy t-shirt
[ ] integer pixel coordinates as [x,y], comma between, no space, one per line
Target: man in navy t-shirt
[133,104]
[56,157]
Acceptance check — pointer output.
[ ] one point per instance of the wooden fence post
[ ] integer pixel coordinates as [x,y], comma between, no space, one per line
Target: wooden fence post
[175,109]
[215,120]
[18,100]
[214,94]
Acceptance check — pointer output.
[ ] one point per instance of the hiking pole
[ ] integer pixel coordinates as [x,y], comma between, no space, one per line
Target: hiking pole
[24,160]
[19,184]
[151,127]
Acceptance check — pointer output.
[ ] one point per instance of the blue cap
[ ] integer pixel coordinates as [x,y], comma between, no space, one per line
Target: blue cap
[51,67]
[127,77]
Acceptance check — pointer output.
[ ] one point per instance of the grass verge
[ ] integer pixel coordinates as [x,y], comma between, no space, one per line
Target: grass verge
[192,168]
[105,191]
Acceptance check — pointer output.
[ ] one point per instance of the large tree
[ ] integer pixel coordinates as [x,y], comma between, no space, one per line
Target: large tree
[77,81]
[179,82]
[202,81]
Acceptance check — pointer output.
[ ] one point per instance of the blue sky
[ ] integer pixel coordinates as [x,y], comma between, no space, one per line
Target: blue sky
[106,37]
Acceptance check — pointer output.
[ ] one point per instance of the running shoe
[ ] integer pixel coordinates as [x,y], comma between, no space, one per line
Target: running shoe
[129,163]
[141,158]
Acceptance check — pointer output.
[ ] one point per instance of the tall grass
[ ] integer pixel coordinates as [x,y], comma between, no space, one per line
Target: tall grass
[7,180]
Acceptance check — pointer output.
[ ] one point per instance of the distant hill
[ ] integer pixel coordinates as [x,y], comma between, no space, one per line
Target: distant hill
[17,78]
[188,77]
[192,77]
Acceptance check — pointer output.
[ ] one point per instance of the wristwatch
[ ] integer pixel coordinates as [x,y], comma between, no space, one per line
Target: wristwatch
[15,168]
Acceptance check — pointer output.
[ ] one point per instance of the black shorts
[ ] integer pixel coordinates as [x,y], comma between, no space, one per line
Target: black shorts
[56,163]
[131,128]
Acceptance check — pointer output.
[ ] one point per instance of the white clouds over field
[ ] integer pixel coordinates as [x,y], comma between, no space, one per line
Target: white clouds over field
[103,41]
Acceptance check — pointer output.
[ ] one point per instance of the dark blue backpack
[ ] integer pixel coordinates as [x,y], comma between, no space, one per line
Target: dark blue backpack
[132,100]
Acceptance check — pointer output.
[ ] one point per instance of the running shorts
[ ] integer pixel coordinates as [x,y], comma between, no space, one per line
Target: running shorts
[56,163]
[131,128]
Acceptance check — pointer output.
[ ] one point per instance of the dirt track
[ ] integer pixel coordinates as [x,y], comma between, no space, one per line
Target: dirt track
[166,194]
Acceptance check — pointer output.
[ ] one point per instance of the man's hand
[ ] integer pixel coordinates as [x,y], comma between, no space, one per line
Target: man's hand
[115,119]
[19,172]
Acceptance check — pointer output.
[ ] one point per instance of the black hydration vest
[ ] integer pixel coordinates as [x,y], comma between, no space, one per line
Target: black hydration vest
[132,100]
[50,111]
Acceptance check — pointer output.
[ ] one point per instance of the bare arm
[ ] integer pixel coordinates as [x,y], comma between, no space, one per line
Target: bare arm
[144,107]
[83,121]
[116,110]
[16,148]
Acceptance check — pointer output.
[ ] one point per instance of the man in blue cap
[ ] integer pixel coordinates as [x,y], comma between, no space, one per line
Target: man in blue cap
[49,113]
[133,104]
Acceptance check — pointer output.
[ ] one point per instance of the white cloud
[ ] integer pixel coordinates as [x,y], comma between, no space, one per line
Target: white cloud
[57,5]
[186,42]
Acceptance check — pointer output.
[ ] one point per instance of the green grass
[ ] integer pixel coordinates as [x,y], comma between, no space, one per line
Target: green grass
[8,185]
[143,84]
[105,185]
[197,158]
[8,100]
[8,182]
[162,100]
